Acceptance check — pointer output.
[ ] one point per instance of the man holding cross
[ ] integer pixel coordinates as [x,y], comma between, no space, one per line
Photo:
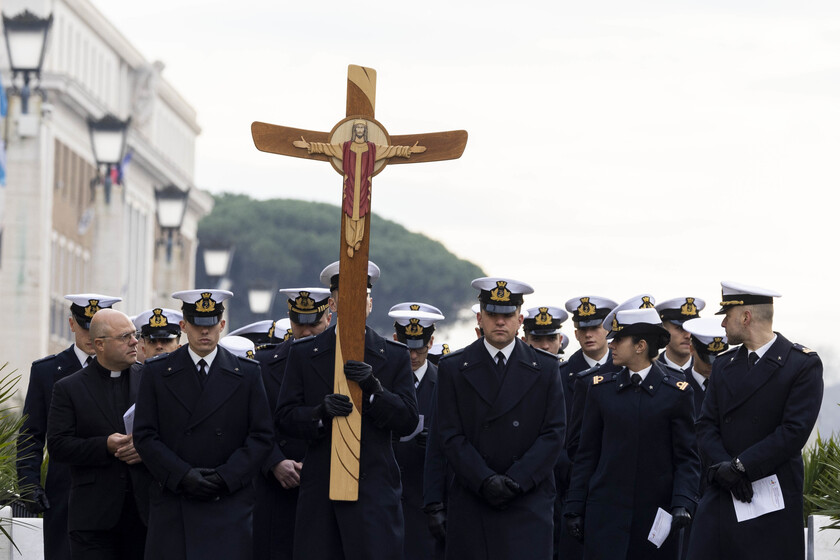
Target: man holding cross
[372,526]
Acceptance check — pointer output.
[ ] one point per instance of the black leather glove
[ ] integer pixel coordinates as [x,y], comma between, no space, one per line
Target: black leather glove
[680,518]
[334,404]
[194,485]
[743,490]
[211,476]
[725,475]
[421,438]
[362,374]
[436,514]
[574,524]
[498,490]
[36,501]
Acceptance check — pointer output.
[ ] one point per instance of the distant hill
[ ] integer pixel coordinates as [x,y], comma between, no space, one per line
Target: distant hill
[286,243]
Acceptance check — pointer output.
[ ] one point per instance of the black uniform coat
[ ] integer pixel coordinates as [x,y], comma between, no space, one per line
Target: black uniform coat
[764,417]
[82,416]
[225,425]
[411,456]
[33,435]
[371,527]
[637,453]
[515,429]
[699,393]
[274,512]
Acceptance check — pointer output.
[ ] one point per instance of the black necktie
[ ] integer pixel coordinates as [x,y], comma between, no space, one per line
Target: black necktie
[636,379]
[416,381]
[88,361]
[202,370]
[500,363]
[705,384]
[752,359]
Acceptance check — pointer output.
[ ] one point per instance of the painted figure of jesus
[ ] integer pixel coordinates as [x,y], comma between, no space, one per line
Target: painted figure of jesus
[358,157]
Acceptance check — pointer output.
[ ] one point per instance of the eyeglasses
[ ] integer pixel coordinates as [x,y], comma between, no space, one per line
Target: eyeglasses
[125,338]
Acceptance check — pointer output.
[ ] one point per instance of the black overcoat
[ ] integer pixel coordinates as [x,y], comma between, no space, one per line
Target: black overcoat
[179,425]
[515,429]
[764,417]
[371,527]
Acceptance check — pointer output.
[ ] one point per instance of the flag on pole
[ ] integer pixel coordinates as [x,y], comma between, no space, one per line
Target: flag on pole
[4,101]
[122,167]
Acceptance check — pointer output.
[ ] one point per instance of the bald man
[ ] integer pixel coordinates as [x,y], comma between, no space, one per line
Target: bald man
[86,430]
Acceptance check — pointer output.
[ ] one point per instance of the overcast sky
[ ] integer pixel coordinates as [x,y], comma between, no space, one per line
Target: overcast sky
[614,147]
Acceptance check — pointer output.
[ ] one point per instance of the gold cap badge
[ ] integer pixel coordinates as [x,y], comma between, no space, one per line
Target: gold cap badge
[157,320]
[585,309]
[500,292]
[92,308]
[205,304]
[544,318]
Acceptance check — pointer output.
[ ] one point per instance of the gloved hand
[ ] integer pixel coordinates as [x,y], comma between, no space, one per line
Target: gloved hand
[725,475]
[743,490]
[194,485]
[574,524]
[36,501]
[334,405]
[211,476]
[362,374]
[420,439]
[436,513]
[498,490]
[680,518]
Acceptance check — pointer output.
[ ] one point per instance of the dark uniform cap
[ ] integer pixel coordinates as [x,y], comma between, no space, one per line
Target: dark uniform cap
[501,295]
[329,276]
[306,305]
[239,345]
[709,333]
[641,322]
[261,332]
[544,321]
[84,306]
[641,301]
[736,293]
[680,310]
[589,311]
[415,322]
[159,322]
[203,308]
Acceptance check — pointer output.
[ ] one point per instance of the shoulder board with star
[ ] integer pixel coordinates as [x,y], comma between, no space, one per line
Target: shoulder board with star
[602,379]
[563,366]
[804,349]
[156,358]
[249,360]
[672,371]
[396,342]
[729,353]
[546,353]
[678,383]
[457,352]
[44,359]
[588,372]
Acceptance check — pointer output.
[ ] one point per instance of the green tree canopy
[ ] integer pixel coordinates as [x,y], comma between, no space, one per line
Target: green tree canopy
[283,243]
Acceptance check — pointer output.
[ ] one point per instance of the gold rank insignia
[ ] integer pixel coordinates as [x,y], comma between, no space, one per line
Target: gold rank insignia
[500,292]
[585,309]
[716,345]
[271,330]
[689,309]
[304,303]
[414,307]
[205,304]
[249,354]
[544,318]
[806,350]
[92,308]
[414,328]
[597,379]
[157,320]
[681,385]
[288,335]
[646,304]
[616,326]
[445,350]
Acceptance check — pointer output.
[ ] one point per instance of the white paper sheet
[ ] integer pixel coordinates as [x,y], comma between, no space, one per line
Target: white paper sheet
[416,431]
[128,419]
[767,497]
[661,527]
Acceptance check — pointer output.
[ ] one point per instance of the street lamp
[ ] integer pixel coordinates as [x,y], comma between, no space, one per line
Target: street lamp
[260,299]
[171,205]
[107,138]
[217,260]
[26,40]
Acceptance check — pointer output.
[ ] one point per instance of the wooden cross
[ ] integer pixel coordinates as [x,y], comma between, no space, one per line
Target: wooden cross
[358,147]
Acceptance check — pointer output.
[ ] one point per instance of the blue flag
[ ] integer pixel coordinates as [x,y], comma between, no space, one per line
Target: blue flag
[2,164]
[4,102]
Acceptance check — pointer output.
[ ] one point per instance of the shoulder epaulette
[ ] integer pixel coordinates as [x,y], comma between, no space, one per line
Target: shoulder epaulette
[804,349]
[670,370]
[606,378]
[246,359]
[546,353]
[451,354]
[675,382]
[395,342]
[156,358]
[44,359]
[589,371]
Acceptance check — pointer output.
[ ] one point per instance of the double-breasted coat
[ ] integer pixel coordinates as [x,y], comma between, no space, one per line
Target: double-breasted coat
[514,428]
[371,527]
[82,416]
[225,425]
[763,416]
[30,449]
[411,456]
[637,454]
[274,512]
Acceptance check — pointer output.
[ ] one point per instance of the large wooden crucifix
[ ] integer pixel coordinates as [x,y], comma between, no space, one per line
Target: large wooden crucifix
[359,148]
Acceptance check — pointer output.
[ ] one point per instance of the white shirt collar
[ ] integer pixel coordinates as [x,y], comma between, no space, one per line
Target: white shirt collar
[698,378]
[507,350]
[644,373]
[208,358]
[592,363]
[763,350]
[81,355]
[685,367]
[421,371]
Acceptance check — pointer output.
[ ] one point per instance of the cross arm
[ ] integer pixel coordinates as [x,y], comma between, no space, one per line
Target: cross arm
[439,146]
[276,139]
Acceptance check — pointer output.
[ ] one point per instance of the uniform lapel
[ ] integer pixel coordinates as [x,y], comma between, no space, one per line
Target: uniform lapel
[180,378]
[522,372]
[474,364]
[741,382]
[222,381]
[653,379]
[135,372]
